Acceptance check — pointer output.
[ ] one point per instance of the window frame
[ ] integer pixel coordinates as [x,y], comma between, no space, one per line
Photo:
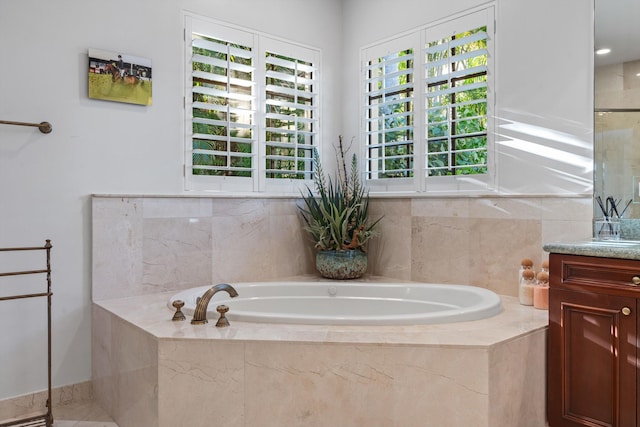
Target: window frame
[260,43]
[417,39]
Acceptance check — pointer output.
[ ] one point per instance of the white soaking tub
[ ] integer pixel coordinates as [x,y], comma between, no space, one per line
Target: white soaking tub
[348,303]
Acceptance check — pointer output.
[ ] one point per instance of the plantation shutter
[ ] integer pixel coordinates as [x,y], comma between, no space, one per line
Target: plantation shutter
[456,94]
[251,109]
[389,109]
[291,111]
[222,102]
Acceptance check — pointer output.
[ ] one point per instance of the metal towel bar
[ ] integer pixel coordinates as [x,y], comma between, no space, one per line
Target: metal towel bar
[45,127]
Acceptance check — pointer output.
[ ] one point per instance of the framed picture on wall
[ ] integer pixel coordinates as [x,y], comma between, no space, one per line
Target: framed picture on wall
[115,76]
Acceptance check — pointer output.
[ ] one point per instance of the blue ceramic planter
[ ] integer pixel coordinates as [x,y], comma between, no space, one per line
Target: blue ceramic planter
[350,264]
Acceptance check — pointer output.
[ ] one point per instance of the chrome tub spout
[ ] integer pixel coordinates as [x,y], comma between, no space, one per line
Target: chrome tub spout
[200,313]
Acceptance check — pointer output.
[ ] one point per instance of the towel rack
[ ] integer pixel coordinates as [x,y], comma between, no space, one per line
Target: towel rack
[45,419]
[45,127]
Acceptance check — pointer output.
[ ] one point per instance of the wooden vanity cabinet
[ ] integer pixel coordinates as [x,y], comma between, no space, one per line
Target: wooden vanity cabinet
[593,342]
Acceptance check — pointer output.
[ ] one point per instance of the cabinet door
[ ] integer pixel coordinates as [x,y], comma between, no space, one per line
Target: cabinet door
[592,359]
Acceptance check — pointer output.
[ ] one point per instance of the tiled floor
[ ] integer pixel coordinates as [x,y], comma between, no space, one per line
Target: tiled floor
[65,423]
[86,414]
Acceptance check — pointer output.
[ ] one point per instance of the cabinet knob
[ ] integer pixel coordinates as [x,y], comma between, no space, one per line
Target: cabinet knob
[626,311]
[635,280]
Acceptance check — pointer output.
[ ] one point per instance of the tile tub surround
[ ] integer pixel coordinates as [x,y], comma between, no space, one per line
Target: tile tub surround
[148,370]
[146,245]
[149,244]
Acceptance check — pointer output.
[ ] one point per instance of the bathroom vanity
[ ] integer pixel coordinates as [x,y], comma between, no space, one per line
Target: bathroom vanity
[594,300]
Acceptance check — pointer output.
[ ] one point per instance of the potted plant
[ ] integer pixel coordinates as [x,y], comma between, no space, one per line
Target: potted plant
[336,217]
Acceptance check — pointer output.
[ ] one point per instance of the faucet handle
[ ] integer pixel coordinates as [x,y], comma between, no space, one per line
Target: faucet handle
[179,315]
[222,320]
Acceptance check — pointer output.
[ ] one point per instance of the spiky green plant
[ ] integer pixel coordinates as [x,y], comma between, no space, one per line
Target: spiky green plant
[339,210]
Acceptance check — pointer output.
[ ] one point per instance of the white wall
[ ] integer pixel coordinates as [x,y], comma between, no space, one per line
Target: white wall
[545,96]
[103,147]
[544,79]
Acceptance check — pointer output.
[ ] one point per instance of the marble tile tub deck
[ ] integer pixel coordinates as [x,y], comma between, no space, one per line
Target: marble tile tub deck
[148,370]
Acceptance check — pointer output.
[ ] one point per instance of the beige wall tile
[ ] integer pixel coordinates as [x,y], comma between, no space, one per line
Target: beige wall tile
[390,252]
[436,387]
[135,358]
[496,247]
[117,247]
[505,208]
[522,379]
[103,374]
[124,370]
[166,207]
[176,253]
[318,385]
[558,230]
[567,209]
[439,249]
[446,207]
[477,241]
[201,383]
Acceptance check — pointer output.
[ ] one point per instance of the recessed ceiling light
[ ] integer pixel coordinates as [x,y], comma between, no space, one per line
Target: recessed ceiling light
[603,51]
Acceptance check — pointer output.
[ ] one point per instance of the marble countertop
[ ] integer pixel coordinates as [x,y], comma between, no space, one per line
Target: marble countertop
[624,249]
[151,314]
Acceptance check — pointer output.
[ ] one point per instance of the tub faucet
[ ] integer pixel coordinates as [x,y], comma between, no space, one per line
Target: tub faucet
[200,313]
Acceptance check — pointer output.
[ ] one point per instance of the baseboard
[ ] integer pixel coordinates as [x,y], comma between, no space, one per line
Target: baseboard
[20,406]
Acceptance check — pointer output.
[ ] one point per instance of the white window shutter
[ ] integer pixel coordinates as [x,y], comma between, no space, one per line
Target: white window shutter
[290,111]
[389,112]
[251,110]
[456,103]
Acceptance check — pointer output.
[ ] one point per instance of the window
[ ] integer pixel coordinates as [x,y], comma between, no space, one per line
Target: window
[389,119]
[456,104]
[251,110]
[290,117]
[428,101]
[223,107]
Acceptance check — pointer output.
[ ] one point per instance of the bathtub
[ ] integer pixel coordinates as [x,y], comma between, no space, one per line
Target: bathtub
[348,303]
[348,376]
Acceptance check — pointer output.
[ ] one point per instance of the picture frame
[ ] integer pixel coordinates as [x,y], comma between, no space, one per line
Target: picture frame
[119,77]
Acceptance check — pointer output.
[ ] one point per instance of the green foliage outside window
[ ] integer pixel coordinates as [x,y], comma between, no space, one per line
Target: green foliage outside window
[216,121]
[394,158]
[285,135]
[457,121]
